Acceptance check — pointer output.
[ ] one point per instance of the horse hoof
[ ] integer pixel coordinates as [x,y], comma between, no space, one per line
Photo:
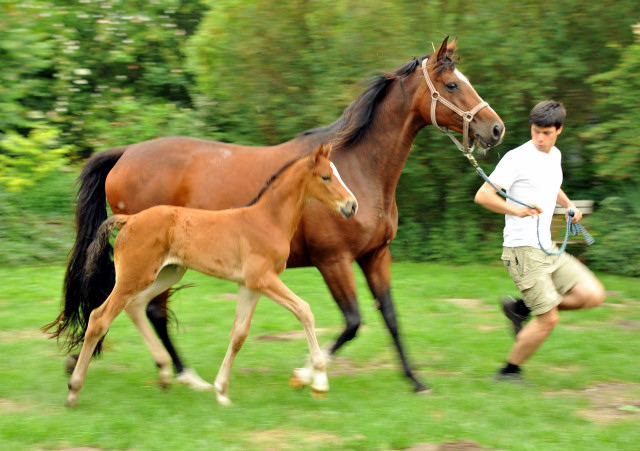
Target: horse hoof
[70,363]
[191,379]
[296,383]
[71,401]
[221,395]
[422,390]
[300,377]
[317,394]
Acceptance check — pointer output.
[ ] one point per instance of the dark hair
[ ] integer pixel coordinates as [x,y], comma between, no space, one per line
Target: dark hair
[548,113]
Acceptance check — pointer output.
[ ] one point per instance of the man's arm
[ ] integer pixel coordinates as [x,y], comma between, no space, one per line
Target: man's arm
[491,200]
[563,201]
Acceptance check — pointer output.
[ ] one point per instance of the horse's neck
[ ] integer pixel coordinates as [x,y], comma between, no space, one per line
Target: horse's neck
[282,203]
[385,148]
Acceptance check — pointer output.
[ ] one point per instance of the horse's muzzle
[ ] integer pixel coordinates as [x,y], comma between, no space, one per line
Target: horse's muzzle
[349,209]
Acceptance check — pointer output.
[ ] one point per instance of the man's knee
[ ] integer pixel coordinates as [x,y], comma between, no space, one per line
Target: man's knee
[548,320]
[593,293]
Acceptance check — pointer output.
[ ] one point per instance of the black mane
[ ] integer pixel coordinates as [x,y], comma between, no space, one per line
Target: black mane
[357,118]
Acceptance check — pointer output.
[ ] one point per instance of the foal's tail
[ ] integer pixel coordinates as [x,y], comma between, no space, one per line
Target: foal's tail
[83,292]
[101,243]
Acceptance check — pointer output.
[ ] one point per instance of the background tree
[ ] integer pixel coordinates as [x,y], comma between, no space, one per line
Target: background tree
[99,74]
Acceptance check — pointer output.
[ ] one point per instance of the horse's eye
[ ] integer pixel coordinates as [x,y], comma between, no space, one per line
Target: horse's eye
[326,178]
[452,86]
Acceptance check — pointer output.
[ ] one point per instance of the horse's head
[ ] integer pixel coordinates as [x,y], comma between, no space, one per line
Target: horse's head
[326,185]
[451,103]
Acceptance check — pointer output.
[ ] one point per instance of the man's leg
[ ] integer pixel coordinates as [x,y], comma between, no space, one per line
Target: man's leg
[587,293]
[532,336]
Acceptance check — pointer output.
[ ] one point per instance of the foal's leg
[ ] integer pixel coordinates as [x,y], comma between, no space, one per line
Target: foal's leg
[99,322]
[246,306]
[167,276]
[341,282]
[274,288]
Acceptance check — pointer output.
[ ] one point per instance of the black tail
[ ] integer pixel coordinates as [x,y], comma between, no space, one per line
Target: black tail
[83,292]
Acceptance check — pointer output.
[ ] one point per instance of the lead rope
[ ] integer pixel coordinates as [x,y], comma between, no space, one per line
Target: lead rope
[573,228]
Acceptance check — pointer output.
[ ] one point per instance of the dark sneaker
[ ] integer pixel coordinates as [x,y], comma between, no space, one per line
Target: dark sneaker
[508,307]
[509,377]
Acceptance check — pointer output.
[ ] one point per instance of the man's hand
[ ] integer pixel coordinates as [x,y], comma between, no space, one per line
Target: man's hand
[526,211]
[577,213]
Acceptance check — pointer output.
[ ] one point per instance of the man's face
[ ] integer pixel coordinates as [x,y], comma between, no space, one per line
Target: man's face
[544,138]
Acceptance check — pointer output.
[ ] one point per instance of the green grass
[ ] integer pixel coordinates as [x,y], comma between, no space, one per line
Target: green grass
[582,390]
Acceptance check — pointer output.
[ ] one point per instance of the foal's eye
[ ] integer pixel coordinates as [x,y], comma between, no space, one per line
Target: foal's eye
[326,178]
[452,86]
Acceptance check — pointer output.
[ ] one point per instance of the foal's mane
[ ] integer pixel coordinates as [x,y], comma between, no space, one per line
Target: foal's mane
[357,118]
[271,180]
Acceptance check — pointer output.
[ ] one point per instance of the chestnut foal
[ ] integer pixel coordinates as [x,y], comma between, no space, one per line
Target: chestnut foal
[248,245]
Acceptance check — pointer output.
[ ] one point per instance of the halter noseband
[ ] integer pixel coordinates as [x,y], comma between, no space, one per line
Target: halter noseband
[467,116]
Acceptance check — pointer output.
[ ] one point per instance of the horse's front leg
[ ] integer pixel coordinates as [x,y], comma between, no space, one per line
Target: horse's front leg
[376,267]
[275,289]
[246,306]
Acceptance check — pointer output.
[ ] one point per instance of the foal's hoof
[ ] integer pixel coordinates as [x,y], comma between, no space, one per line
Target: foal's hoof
[296,383]
[72,401]
[70,363]
[300,378]
[318,394]
[221,397]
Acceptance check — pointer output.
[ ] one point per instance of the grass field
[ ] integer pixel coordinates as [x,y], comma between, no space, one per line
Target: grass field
[582,389]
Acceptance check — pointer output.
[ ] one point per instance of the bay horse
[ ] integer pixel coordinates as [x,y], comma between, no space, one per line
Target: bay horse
[249,246]
[372,140]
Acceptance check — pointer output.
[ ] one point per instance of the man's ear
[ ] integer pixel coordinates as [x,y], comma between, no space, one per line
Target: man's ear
[559,129]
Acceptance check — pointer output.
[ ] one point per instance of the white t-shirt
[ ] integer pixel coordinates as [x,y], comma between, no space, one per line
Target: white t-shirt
[534,177]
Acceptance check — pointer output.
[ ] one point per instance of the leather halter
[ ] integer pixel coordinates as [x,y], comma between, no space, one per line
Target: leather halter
[467,116]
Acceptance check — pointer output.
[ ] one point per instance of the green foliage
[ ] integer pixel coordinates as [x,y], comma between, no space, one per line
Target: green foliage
[27,160]
[110,73]
[73,66]
[26,50]
[37,221]
[613,140]
[615,224]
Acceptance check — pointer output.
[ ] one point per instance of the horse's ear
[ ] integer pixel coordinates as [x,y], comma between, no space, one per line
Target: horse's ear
[452,47]
[443,50]
[316,155]
[328,150]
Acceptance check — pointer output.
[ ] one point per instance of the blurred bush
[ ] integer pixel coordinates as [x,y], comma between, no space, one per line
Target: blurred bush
[615,226]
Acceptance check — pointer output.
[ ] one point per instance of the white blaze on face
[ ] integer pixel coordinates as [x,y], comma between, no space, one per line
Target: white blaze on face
[337,175]
[465,80]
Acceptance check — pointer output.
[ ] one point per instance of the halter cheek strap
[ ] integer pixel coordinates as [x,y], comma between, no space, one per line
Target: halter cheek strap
[467,116]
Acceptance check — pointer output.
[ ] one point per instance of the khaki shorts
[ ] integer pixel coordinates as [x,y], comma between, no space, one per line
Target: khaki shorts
[542,279]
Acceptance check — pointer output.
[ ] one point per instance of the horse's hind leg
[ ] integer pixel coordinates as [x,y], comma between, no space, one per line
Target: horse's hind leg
[246,306]
[280,293]
[157,314]
[99,322]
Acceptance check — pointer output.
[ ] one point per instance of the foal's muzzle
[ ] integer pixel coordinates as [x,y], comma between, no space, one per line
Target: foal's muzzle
[349,208]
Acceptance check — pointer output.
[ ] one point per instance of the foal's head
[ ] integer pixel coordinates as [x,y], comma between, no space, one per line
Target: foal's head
[326,185]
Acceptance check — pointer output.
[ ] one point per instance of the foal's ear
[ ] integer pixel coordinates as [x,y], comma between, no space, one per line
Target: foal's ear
[316,155]
[321,152]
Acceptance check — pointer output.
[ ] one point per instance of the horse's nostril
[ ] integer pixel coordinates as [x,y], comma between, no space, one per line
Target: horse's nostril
[498,129]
